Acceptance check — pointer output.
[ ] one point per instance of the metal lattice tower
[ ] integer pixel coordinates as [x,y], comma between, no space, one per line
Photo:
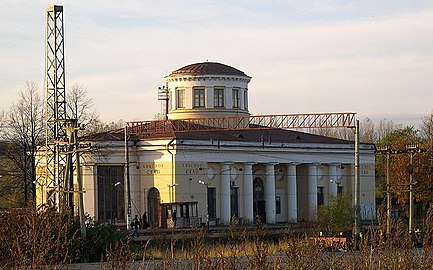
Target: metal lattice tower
[56,137]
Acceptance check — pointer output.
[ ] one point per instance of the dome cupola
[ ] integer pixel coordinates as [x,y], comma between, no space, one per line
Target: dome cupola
[207,89]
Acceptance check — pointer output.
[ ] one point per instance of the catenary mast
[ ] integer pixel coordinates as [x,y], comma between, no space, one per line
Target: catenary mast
[56,136]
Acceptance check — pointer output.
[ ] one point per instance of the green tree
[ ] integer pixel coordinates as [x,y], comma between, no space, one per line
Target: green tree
[398,140]
[338,215]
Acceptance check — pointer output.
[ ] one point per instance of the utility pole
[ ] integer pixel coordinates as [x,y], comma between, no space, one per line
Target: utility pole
[410,169]
[128,184]
[431,142]
[357,221]
[412,150]
[387,150]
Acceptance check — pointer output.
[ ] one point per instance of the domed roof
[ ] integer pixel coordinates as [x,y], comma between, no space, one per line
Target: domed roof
[207,68]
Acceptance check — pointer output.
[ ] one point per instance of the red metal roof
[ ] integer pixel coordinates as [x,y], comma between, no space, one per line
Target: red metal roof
[207,68]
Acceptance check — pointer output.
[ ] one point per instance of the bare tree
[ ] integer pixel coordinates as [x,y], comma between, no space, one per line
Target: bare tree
[426,128]
[386,127]
[81,107]
[24,131]
[368,131]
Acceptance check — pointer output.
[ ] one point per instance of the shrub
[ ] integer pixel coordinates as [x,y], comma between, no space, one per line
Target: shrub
[31,239]
[100,237]
[338,215]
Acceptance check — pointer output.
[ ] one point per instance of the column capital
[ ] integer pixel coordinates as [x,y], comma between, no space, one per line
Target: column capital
[250,163]
[272,163]
[333,164]
[293,164]
[314,164]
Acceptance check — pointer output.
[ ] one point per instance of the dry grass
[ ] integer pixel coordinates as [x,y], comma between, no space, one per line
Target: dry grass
[33,244]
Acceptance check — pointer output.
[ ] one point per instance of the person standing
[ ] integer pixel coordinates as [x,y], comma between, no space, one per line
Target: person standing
[135,225]
[144,224]
[174,218]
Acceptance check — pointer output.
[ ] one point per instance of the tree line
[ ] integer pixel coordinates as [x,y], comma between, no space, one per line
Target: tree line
[22,131]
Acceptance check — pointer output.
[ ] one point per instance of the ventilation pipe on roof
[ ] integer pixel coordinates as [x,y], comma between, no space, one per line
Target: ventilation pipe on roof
[172,165]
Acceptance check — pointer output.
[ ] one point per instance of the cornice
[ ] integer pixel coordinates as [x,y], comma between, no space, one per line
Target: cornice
[189,78]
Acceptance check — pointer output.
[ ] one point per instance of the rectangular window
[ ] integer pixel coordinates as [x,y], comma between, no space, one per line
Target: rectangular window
[278,205]
[111,199]
[180,98]
[236,98]
[234,202]
[218,96]
[320,196]
[211,202]
[198,97]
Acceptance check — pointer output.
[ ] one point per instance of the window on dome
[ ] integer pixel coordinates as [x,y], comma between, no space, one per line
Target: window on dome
[198,97]
[245,99]
[180,98]
[236,98]
[218,97]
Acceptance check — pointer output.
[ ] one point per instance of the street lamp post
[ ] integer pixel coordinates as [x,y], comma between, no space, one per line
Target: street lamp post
[207,202]
[335,182]
[114,204]
[170,191]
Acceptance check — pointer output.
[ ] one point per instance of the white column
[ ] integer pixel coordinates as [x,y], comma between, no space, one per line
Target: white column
[246,99]
[228,98]
[270,193]
[225,193]
[332,171]
[241,98]
[189,98]
[292,203]
[135,191]
[209,93]
[312,191]
[248,192]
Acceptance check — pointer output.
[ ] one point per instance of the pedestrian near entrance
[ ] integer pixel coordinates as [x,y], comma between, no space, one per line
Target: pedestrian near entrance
[174,217]
[144,222]
[135,226]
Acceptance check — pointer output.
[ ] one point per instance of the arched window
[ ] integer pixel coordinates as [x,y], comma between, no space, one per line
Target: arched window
[259,203]
[153,207]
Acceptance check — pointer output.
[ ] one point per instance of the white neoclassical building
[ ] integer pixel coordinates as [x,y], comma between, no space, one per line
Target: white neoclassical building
[218,175]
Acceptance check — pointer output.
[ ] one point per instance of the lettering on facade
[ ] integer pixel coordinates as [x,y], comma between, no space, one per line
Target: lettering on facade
[192,168]
[365,169]
[153,168]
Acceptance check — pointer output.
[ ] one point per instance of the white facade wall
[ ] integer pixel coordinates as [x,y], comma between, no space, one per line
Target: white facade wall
[209,83]
[225,167]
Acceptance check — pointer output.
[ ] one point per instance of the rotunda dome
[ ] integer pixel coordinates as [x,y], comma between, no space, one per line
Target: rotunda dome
[207,68]
[207,89]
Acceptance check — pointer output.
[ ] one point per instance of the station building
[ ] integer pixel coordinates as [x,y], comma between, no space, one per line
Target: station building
[218,174]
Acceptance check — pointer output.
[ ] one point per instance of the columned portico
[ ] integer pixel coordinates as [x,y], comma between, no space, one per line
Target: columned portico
[270,193]
[292,204]
[248,192]
[333,183]
[225,193]
[312,191]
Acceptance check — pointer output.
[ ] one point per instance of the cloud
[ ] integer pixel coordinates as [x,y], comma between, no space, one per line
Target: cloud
[304,56]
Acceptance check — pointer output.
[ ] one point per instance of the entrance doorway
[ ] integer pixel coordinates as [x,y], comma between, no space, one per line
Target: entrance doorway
[153,200]
[259,203]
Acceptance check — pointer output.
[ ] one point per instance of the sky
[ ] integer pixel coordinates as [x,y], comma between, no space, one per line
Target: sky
[372,57]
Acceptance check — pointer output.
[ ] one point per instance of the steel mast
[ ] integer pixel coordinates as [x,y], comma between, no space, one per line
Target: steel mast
[56,137]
